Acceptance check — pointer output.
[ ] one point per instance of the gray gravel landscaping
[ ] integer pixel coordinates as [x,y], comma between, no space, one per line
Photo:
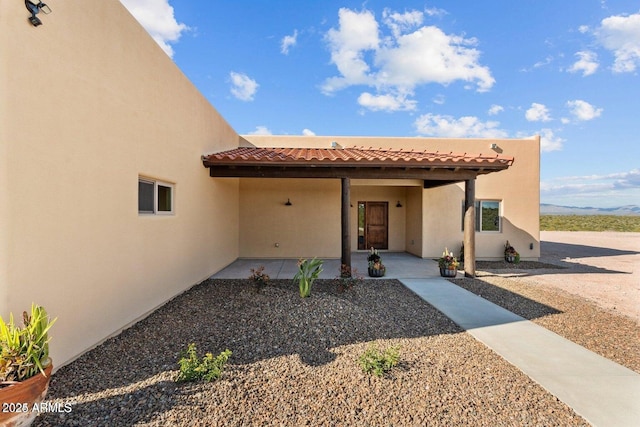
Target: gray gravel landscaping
[294,362]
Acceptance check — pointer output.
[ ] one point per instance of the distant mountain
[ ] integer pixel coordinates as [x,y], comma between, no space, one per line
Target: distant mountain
[547,209]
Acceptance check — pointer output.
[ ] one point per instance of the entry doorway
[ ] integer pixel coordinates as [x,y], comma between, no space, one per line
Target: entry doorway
[373,225]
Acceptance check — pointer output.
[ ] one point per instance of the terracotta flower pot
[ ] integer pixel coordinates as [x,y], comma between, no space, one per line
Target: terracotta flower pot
[18,399]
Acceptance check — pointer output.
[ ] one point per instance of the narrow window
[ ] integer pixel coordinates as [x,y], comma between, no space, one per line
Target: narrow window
[154,197]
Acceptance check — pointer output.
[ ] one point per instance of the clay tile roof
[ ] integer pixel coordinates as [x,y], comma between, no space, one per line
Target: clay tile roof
[360,156]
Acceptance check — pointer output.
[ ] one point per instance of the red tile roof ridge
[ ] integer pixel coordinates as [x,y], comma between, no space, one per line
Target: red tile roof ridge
[354,154]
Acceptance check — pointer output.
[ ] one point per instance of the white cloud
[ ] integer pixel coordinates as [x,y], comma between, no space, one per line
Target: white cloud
[495,109]
[434,11]
[288,42]
[261,130]
[439,99]
[357,33]
[242,86]
[587,63]
[397,60]
[387,102]
[447,126]
[583,111]
[308,132]
[549,141]
[621,35]
[615,186]
[537,113]
[400,23]
[583,29]
[157,17]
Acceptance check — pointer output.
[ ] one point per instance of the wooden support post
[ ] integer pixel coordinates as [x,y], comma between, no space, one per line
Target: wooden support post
[345,213]
[470,228]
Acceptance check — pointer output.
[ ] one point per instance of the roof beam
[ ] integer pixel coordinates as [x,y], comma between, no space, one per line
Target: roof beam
[342,172]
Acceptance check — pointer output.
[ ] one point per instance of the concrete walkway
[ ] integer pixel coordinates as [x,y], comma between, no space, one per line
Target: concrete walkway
[601,391]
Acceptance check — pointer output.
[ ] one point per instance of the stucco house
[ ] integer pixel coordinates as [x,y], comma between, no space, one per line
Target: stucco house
[121,186]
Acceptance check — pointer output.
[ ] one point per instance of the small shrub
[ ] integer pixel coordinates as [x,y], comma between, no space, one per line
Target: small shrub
[373,361]
[208,369]
[348,277]
[259,277]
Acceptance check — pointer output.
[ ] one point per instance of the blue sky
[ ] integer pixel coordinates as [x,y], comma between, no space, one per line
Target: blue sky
[568,71]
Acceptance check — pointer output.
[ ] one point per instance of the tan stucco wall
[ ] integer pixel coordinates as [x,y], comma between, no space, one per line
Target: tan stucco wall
[431,218]
[309,227]
[88,102]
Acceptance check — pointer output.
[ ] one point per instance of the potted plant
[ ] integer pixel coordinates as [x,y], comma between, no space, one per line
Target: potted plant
[25,366]
[510,254]
[376,267]
[448,264]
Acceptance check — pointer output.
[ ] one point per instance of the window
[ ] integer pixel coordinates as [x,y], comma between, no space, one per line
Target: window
[154,197]
[487,215]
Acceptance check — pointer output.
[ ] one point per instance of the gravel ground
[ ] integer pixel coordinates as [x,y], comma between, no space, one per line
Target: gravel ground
[294,362]
[611,335]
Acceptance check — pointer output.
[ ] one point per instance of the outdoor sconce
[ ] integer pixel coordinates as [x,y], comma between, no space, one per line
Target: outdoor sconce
[288,203]
[398,205]
[35,7]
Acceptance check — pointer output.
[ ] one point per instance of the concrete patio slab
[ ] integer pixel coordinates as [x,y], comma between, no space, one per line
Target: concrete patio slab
[399,265]
[601,391]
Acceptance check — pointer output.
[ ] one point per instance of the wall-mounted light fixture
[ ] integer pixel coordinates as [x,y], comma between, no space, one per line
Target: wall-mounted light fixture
[35,7]
[288,203]
[494,146]
[398,205]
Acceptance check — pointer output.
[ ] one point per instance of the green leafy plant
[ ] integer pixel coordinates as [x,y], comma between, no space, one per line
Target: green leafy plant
[510,253]
[259,277]
[447,260]
[308,272]
[209,368]
[24,351]
[376,362]
[375,260]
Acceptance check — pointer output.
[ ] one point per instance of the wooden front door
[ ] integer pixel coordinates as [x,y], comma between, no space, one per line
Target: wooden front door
[373,224]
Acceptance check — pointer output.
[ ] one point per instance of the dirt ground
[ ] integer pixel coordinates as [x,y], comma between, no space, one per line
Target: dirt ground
[603,267]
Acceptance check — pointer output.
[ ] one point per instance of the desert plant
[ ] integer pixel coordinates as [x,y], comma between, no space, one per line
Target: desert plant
[24,351]
[259,277]
[447,260]
[510,253]
[376,362]
[308,272]
[375,260]
[209,368]
[348,277]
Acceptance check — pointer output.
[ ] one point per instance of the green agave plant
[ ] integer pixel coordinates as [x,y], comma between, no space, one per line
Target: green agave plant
[24,351]
[308,272]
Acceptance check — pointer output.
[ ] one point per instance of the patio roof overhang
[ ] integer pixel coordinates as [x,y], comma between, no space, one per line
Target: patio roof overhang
[435,168]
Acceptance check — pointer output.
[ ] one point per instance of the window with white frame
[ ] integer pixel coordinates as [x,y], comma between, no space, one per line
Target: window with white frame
[155,197]
[488,216]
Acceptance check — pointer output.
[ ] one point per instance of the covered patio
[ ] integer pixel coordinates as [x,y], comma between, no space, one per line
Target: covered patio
[433,169]
[400,265]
